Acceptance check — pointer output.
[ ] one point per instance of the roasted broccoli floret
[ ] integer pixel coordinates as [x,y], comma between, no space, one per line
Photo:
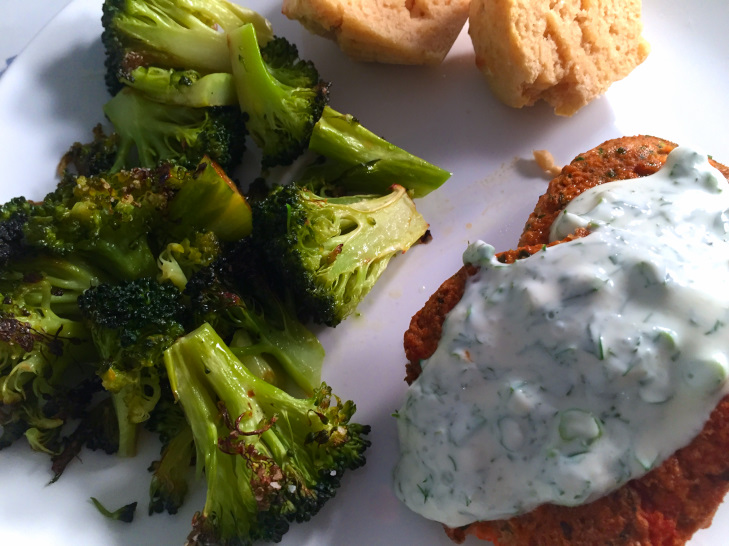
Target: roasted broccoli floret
[329,252]
[183,87]
[91,158]
[106,219]
[41,339]
[258,325]
[281,94]
[269,458]
[358,161]
[36,344]
[151,133]
[208,201]
[181,34]
[121,222]
[13,218]
[131,324]
[46,279]
[169,485]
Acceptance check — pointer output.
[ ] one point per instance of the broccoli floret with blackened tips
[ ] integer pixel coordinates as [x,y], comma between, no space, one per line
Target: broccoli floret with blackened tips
[171,473]
[269,458]
[189,34]
[327,253]
[281,94]
[13,217]
[91,158]
[131,324]
[41,338]
[105,219]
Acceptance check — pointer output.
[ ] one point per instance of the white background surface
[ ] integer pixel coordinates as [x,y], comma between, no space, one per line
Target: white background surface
[52,95]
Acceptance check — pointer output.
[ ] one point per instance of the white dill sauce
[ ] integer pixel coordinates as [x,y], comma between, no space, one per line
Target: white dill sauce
[560,377]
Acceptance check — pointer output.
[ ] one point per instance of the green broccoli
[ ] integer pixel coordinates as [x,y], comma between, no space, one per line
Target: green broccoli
[13,217]
[183,87]
[121,222]
[269,458]
[208,200]
[362,162]
[105,219]
[179,34]
[170,474]
[49,280]
[41,339]
[180,260]
[90,158]
[248,315]
[131,324]
[36,343]
[150,133]
[329,252]
[281,94]
[169,484]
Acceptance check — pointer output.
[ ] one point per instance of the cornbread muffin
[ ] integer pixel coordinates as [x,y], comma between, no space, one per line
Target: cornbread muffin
[386,31]
[665,506]
[564,52]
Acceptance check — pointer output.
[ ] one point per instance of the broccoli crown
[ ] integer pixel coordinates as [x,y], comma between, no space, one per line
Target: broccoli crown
[168,133]
[183,87]
[329,252]
[13,216]
[36,344]
[91,158]
[133,316]
[269,458]
[188,34]
[106,218]
[132,323]
[37,347]
[283,100]
[282,61]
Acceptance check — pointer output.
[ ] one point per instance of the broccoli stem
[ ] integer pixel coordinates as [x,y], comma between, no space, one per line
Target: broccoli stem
[280,116]
[128,431]
[210,202]
[369,163]
[183,87]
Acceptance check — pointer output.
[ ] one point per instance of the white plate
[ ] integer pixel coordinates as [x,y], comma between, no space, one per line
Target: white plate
[52,95]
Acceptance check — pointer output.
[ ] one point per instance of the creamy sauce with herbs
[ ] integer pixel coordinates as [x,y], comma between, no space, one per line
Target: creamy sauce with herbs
[562,376]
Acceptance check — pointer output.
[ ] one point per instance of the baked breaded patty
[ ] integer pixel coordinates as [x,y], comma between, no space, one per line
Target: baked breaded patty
[664,507]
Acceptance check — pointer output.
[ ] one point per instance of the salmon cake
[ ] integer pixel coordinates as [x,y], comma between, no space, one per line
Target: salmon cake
[664,506]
